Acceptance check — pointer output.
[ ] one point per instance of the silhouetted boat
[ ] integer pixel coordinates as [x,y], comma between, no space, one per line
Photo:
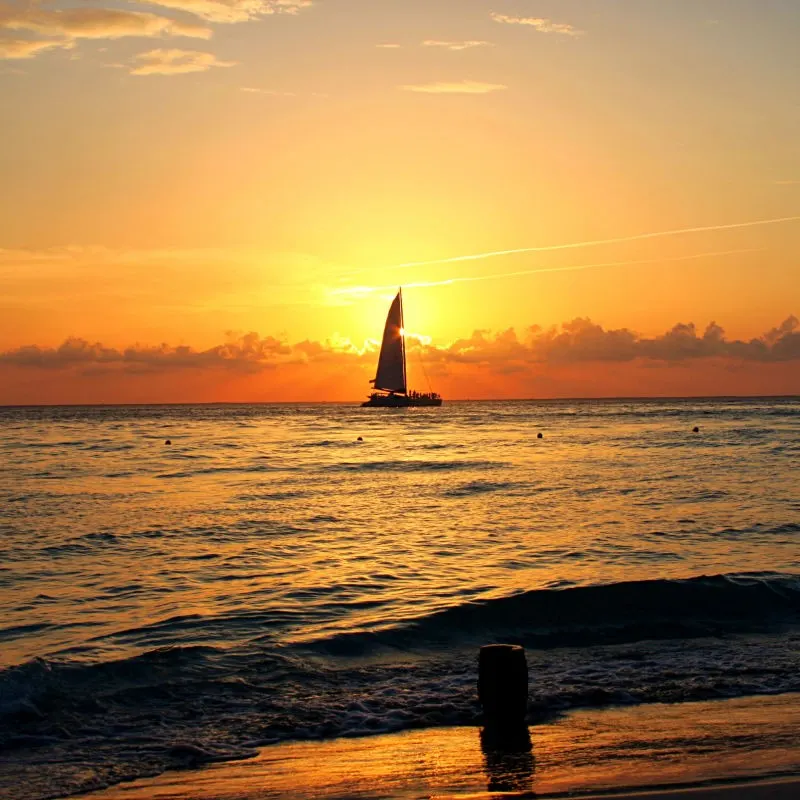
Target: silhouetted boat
[391,390]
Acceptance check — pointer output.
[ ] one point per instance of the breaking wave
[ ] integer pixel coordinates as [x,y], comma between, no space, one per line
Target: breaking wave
[603,614]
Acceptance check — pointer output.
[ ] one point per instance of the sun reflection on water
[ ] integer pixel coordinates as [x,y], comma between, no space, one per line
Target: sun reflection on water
[281,512]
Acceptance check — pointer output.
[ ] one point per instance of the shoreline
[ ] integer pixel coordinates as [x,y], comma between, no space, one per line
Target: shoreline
[708,750]
[758,788]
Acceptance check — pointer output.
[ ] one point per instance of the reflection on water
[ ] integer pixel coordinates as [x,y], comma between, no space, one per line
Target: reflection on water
[508,758]
[280,510]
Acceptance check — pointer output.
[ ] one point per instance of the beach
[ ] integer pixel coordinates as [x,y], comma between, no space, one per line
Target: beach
[744,748]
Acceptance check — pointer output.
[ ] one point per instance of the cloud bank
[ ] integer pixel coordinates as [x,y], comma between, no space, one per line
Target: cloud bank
[583,341]
[577,341]
[248,353]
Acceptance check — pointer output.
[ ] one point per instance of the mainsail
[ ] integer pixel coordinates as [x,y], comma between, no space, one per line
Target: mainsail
[391,375]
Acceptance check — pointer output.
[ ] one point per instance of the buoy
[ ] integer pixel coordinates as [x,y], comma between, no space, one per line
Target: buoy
[695,429]
[539,436]
[503,684]
[168,441]
[360,439]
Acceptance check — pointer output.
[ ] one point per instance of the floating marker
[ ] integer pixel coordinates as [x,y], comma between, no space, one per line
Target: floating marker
[539,436]
[503,684]
[695,429]
[168,441]
[360,439]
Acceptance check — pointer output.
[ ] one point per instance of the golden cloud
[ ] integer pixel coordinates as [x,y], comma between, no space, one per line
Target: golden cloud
[455,87]
[60,28]
[577,341]
[176,62]
[467,45]
[270,92]
[229,11]
[538,23]
[63,27]
[29,48]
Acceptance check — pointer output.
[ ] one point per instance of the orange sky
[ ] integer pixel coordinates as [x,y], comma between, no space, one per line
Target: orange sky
[179,173]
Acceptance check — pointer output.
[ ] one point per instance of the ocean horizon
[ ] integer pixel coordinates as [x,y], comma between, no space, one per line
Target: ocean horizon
[576,399]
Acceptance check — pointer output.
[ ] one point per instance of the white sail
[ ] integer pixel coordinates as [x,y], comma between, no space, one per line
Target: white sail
[391,375]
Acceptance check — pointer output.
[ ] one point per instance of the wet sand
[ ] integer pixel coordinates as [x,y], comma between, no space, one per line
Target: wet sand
[717,750]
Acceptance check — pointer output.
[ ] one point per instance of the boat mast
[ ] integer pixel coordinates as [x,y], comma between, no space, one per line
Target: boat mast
[402,338]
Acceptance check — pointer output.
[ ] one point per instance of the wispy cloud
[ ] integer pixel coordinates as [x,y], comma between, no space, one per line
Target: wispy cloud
[62,28]
[538,23]
[388,46]
[467,45]
[175,62]
[455,87]
[360,291]
[595,242]
[270,92]
[231,11]
[13,48]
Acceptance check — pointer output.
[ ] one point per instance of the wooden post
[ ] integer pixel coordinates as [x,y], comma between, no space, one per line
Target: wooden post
[503,684]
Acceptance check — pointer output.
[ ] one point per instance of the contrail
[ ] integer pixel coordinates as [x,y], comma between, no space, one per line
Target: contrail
[364,290]
[573,245]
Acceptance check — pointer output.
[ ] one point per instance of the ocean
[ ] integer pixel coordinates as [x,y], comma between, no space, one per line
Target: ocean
[309,572]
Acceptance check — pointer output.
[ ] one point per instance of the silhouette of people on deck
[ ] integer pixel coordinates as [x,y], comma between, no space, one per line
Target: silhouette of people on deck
[412,395]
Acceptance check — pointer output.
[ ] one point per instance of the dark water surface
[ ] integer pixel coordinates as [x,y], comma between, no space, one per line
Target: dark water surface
[268,577]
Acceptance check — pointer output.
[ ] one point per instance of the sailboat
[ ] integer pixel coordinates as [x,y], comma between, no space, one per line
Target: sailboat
[391,390]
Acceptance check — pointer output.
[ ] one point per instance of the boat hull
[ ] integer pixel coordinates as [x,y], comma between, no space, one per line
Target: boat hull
[400,401]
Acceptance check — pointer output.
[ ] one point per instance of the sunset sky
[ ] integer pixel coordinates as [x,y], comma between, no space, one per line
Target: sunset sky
[212,200]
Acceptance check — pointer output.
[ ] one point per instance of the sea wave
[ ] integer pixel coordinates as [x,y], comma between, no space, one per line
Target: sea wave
[412,465]
[481,487]
[183,706]
[583,616]
[330,443]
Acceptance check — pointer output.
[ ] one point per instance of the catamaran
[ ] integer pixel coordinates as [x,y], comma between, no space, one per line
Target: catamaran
[391,390]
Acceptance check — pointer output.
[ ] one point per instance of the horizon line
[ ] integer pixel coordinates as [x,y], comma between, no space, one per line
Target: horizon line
[4,406]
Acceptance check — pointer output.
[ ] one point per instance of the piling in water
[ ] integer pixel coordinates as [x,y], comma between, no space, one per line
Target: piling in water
[503,685]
